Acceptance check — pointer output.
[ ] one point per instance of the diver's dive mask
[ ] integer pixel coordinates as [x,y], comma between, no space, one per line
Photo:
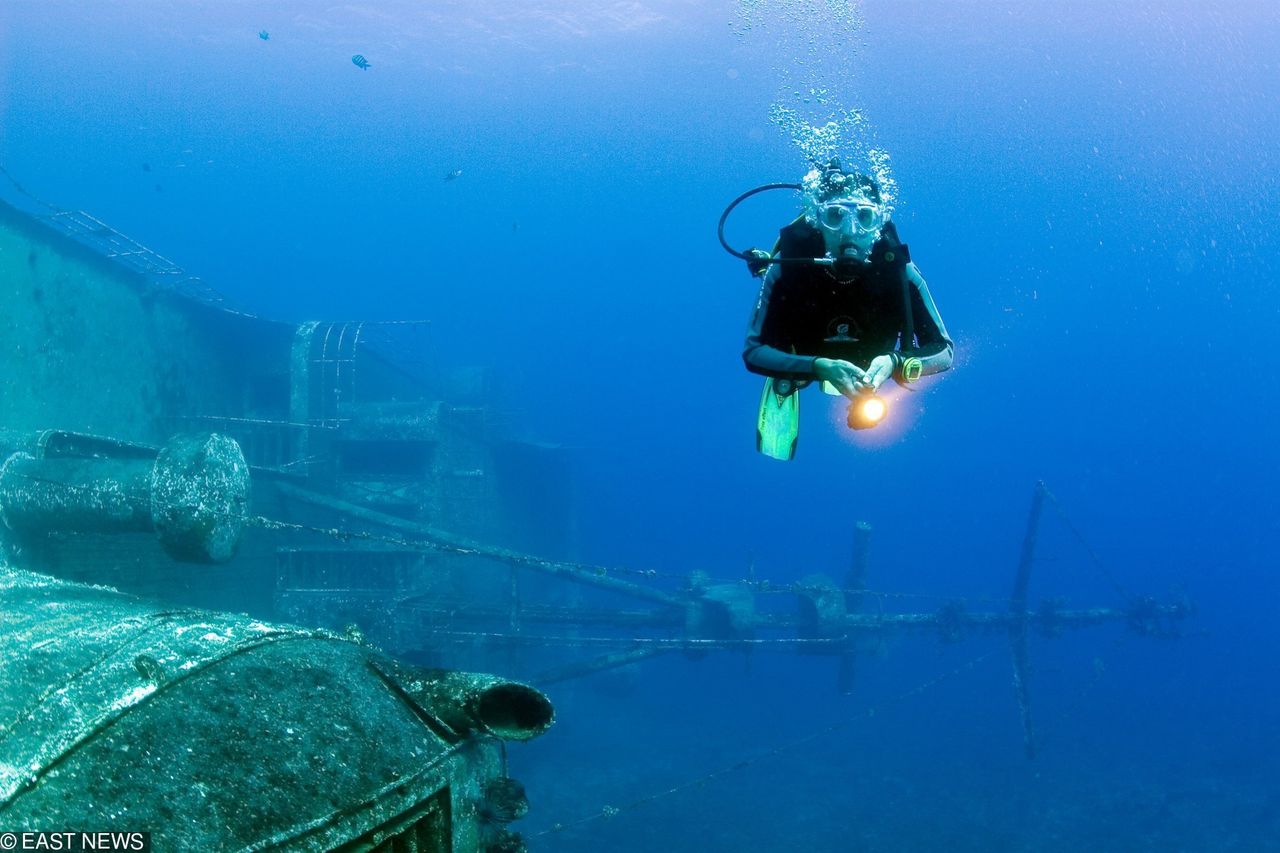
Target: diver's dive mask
[850,227]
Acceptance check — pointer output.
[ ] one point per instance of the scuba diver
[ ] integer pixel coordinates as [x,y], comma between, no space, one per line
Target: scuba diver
[841,302]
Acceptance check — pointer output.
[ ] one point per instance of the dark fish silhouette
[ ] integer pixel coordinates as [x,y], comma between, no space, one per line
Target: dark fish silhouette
[146,167]
[454,175]
[360,62]
[264,35]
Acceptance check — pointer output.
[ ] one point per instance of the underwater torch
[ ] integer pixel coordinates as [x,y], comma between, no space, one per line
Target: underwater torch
[867,411]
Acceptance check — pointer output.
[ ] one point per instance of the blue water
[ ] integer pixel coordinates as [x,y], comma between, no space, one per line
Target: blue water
[1090,190]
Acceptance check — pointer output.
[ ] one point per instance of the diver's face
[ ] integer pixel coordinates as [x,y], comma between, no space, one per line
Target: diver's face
[850,227]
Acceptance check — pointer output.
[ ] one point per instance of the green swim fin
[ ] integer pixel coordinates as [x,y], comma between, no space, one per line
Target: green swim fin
[778,425]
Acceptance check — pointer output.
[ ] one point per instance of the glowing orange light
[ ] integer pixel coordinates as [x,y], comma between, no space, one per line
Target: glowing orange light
[866,412]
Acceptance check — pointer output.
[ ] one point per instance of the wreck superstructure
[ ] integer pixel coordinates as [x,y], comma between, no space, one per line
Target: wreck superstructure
[108,339]
[159,441]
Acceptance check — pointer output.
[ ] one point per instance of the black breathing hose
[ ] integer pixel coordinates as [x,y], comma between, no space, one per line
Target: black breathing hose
[746,195]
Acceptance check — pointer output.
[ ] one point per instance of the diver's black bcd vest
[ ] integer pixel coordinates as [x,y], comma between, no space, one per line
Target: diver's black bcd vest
[810,312]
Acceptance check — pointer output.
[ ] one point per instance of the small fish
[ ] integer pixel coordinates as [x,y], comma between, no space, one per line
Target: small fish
[454,175]
[146,167]
[264,35]
[360,62]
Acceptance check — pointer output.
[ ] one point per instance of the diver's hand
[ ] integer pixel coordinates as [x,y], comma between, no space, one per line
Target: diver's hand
[878,371]
[844,375]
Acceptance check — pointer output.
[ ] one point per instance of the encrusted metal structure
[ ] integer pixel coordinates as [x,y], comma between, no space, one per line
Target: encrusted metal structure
[220,732]
[114,343]
[151,438]
[193,493]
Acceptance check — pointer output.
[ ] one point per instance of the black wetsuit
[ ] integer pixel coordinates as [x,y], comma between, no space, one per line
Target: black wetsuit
[804,312]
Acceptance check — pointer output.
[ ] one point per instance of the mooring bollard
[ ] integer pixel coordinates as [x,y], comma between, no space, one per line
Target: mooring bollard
[193,493]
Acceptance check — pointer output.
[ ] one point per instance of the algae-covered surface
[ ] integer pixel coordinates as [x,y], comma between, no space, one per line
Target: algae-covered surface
[210,731]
